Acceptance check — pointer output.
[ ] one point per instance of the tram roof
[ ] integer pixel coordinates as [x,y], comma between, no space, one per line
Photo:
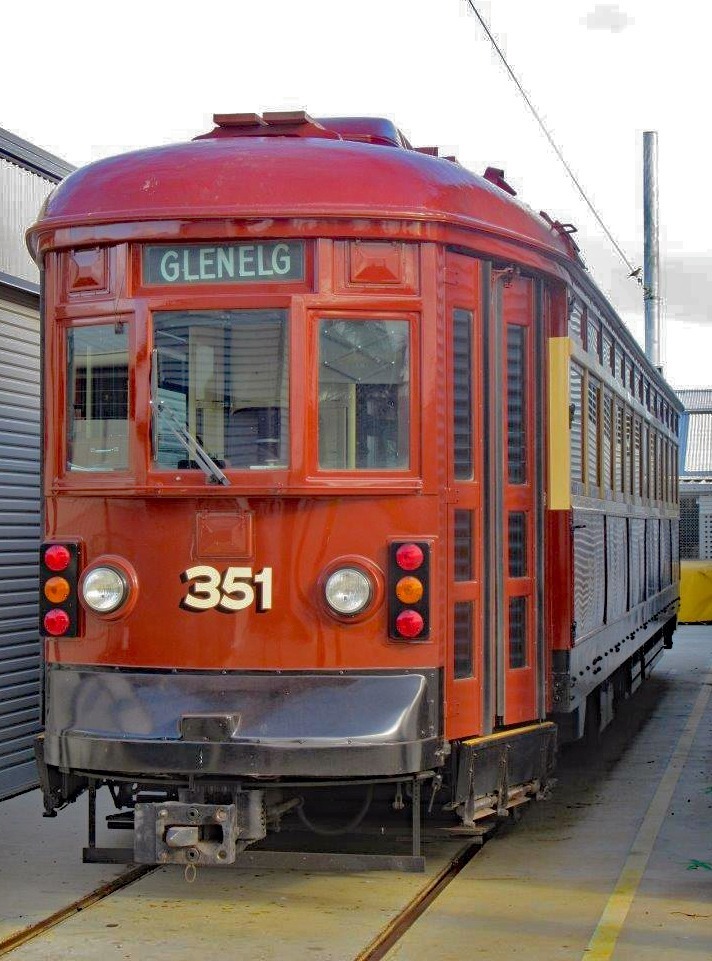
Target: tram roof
[252,167]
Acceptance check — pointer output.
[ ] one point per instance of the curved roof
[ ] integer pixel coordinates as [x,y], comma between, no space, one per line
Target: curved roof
[235,174]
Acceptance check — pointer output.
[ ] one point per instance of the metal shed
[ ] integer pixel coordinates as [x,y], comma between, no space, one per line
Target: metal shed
[696,474]
[27,175]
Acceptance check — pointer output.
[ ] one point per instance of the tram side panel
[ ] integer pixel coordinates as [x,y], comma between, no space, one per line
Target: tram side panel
[613,430]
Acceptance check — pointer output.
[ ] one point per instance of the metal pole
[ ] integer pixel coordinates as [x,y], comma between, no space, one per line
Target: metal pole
[651,261]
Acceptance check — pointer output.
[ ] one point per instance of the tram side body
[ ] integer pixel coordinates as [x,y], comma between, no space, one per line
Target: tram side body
[263,686]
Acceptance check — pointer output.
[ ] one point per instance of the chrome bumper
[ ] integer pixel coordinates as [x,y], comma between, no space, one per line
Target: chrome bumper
[288,725]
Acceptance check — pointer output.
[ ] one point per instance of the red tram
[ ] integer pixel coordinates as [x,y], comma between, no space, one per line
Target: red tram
[353,481]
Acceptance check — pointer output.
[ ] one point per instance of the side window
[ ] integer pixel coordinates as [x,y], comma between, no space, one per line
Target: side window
[608,460]
[97,397]
[462,392]
[364,394]
[516,404]
[594,393]
[575,420]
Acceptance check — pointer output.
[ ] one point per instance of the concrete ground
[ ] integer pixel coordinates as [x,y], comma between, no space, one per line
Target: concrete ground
[617,865]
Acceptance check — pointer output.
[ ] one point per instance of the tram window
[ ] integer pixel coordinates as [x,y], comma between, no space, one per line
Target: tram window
[629,478]
[620,364]
[364,395]
[608,460]
[223,374]
[594,391]
[653,456]
[575,319]
[517,632]
[463,639]
[462,393]
[607,350]
[594,333]
[517,523]
[97,415]
[620,452]
[516,404]
[575,403]
[463,545]
[637,455]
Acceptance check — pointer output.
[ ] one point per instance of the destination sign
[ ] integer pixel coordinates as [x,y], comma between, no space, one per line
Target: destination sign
[224,264]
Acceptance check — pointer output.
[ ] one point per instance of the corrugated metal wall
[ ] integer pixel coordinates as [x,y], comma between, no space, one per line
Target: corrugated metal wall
[19,538]
[27,175]
[23,193]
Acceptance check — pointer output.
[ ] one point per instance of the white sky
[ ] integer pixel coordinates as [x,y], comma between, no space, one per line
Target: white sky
[86,79]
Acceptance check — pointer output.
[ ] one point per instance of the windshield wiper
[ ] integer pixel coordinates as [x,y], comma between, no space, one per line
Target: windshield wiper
[192,445]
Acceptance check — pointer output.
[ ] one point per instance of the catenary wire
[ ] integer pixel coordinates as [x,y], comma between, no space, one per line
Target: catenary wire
[634,271]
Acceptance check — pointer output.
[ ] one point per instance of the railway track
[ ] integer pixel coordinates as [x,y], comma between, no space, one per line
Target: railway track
[376,949]
[33,931]
[392,932]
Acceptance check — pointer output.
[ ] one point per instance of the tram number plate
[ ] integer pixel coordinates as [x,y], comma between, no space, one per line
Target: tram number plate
[234,590]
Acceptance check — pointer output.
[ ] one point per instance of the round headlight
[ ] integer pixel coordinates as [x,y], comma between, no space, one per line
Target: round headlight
[104,590]
[347,591]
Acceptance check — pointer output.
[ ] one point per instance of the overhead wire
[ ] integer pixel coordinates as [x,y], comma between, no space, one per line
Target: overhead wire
[634,271]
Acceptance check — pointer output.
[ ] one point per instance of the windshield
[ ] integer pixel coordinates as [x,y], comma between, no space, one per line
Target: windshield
[223,375]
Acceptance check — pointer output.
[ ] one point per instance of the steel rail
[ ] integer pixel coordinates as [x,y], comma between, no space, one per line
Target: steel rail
[98,894]
[392,932]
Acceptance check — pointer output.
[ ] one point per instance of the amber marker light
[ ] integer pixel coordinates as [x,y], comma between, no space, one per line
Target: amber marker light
[409,590]
[56,590]
[409,624]
[57,557]
[409,557]
[56,622]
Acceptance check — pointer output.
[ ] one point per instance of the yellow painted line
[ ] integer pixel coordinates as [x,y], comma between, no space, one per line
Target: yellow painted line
[603,943]
[559,429]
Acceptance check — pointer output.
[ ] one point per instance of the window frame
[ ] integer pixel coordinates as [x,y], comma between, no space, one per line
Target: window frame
[359,477]
[65,478]
[156,469]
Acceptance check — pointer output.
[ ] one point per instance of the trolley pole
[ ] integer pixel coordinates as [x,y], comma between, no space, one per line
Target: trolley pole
[651,255]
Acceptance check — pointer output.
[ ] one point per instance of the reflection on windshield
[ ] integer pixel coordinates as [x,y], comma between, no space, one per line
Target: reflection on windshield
[224,375]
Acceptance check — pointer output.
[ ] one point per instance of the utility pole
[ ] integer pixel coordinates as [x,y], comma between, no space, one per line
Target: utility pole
[651,254]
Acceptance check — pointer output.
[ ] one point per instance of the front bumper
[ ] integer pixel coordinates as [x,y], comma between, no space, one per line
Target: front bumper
[130,723]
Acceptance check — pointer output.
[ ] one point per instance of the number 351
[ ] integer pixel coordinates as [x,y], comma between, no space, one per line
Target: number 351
[234,590]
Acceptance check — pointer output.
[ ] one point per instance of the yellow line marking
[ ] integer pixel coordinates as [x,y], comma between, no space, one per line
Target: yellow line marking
[604,939]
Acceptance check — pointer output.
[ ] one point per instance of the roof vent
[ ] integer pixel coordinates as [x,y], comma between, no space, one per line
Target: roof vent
[496,177]
[290,123]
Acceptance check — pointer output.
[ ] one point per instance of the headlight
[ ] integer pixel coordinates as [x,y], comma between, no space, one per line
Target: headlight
[347,591]
[104,590]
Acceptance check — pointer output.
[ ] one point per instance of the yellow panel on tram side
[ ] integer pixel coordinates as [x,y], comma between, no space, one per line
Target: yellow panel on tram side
[559,424]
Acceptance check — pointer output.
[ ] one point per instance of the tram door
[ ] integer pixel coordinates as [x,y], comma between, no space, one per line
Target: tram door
[516,509]
[466,667]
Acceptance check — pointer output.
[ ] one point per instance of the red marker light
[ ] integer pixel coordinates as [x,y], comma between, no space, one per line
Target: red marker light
[409,557]
[56,622]
[57,557]
[409,624]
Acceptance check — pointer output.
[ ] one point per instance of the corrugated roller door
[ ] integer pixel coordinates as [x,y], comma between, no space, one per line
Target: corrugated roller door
[19,539]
